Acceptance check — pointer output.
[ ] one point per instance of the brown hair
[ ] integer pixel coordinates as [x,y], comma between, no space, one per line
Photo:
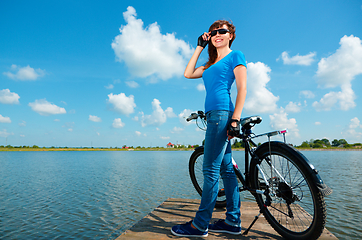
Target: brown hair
[212,49]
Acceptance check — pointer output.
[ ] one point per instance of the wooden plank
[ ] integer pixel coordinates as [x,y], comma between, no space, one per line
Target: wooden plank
[158,224]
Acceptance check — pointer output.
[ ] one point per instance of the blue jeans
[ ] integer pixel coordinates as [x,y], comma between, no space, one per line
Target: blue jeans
[217,160]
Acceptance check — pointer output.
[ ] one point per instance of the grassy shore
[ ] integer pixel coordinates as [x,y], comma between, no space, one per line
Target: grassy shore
[15,149]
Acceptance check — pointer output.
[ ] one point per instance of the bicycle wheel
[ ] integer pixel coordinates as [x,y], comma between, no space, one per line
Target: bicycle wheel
[197,177]
[297,209]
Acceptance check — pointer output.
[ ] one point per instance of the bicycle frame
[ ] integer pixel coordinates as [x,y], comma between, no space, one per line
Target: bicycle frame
[246,137]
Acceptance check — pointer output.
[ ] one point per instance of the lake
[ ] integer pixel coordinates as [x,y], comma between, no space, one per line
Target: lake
[100,194]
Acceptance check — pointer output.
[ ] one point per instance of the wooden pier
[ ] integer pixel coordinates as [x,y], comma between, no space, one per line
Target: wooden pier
[158,224]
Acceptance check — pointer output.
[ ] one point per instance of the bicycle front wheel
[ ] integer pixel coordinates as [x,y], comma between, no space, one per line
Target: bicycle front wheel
[297,209]
[197,176]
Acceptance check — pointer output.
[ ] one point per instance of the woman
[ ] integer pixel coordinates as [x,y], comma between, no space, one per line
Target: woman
[224,66]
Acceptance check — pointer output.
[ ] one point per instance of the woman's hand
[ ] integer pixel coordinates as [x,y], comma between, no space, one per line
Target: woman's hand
[203,40]
[233,128]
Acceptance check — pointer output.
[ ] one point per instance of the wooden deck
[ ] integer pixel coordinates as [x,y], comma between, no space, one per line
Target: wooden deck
[158,223]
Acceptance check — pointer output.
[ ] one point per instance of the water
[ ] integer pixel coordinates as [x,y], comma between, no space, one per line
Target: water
[99,195]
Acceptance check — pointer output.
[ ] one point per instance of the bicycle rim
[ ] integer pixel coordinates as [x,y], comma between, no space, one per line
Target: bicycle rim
[297,209]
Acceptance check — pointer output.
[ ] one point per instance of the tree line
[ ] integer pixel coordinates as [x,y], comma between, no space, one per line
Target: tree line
[318,143]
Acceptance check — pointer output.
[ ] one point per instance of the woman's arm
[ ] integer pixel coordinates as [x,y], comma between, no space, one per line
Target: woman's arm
[191,71]
[240,80]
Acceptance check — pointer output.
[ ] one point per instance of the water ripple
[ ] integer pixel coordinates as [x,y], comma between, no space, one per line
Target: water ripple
[98,195]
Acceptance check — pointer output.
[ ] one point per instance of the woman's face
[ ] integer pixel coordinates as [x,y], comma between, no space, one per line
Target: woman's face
[221,40]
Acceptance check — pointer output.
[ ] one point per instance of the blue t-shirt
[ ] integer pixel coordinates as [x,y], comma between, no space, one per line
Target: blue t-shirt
[218,79]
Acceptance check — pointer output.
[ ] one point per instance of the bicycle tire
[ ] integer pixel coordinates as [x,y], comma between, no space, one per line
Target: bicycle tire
[197,177]
[306,216]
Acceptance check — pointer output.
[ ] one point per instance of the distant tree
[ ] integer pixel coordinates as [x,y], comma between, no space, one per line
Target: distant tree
[305,144]
[326,142]
[343,141]
[335,143]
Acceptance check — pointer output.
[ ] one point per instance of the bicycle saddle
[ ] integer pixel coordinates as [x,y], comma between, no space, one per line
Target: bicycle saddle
[244,122]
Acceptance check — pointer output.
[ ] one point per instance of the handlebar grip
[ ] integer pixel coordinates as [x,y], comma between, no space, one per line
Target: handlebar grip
[192,116]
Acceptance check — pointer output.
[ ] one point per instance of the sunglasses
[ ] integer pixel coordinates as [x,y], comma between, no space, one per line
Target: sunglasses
[220,31]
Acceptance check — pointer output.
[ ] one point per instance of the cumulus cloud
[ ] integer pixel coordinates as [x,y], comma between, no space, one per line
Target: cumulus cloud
[307,94]
[351,130]
[24,73]
[305,60]
[45,108]
[177,130]
[293,107]
[317,123]
[279,121]
[200,87]
[138,133]
[164,138]
[147,52]
[338,70]
[158,116]
[345,99]
[94,118]
[132,84]
[259,98]
[122,103]
[183,115]
[4,119]
[117,123]
[7,97]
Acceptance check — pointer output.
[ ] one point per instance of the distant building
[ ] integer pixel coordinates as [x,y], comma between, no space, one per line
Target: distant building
[170,145]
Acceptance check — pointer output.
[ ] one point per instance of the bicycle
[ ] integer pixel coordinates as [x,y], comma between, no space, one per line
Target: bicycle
[286,186]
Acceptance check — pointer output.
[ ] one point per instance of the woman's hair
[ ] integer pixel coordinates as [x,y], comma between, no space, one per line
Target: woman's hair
[212,49]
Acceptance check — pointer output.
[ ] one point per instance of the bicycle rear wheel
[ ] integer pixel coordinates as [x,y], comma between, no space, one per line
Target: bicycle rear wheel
[297,209]
[197,176]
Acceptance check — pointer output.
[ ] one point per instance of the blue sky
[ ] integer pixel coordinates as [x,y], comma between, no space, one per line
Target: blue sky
[110,73]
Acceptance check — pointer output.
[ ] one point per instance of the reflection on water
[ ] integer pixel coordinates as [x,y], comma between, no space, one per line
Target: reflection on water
[98,195]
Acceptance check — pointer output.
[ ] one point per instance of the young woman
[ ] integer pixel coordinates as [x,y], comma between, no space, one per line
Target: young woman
[223,68]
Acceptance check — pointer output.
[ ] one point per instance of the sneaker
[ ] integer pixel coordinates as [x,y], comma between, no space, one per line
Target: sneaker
[221,226]
[185,230]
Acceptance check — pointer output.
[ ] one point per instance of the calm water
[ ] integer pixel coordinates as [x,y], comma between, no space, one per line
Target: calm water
[98,195]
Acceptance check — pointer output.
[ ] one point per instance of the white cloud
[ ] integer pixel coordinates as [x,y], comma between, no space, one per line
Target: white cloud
[307,94]
[338,70]
[169,112]
[164,138]
[24,73]
[7,97]
[138,133]
[200,87]
[317,123]
[183,115]
[94,118]
[109,86]
[280,121]
[305,60]
[45,108]
[293,107]
[132,84]
[177,130]
[158,116]
[259,99]
[4,119]
[117,123]
[351,130]
[345,99]
[5,134]
[147,52]
[122,103]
